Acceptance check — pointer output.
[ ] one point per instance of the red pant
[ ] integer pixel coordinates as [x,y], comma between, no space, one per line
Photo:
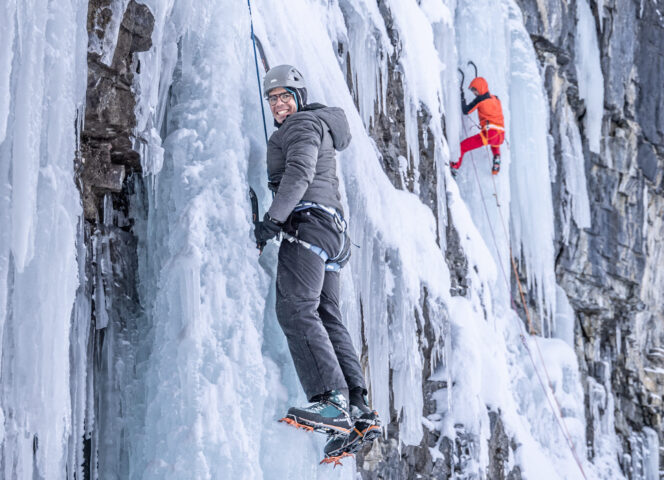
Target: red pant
[494,138]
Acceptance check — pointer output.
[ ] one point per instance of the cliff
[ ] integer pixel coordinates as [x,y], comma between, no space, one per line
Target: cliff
[156,345]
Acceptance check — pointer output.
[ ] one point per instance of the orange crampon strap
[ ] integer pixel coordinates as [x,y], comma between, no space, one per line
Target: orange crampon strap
[371,427]
[293,423]
[336,460]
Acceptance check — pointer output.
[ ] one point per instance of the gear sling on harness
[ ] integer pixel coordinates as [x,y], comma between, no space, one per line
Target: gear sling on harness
[332,263]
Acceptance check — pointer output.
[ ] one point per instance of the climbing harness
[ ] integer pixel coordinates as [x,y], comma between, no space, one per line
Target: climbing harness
[549,393]
[335,263]
[484,133]
[491,126]
[338,219]
[331,264]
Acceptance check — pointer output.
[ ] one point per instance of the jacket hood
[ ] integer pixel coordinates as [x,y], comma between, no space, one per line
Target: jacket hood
[479,84]
[335,118]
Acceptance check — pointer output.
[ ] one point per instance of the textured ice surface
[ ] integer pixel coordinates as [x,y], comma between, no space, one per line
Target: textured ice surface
[196,387]
[589,72]
[43,66]
[105,46]
[574,206]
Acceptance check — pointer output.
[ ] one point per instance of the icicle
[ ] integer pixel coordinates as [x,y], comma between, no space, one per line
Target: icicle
[589,73]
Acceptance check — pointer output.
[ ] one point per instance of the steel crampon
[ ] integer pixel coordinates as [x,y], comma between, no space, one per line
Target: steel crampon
[336,460]
[293,423]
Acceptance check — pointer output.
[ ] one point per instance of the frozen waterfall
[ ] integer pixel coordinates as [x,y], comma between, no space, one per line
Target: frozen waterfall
[193,385]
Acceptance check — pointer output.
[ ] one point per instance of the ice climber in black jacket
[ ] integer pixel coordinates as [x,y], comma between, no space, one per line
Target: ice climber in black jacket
[307,209]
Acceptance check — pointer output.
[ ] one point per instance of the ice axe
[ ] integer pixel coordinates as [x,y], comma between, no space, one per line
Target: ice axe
[470,62]
[463,78]
[463,75]
[255,215]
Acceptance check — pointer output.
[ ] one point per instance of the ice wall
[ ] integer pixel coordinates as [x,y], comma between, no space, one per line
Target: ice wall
[589,71]
[503,52]
[199,384]
[215,359]
[42,88]
[209,334]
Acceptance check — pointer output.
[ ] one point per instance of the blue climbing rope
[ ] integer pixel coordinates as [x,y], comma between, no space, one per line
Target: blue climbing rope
[258,77]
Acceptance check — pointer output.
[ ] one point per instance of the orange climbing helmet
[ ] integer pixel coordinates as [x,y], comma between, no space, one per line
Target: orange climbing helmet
[479,84]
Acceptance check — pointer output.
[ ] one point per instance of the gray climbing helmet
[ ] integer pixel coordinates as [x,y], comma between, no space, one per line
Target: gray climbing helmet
[286,76]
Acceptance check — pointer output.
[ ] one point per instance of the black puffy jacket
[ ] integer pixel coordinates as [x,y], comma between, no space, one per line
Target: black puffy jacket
[301,160]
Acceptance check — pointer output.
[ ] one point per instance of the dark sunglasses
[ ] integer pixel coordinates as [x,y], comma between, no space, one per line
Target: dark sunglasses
[285,97]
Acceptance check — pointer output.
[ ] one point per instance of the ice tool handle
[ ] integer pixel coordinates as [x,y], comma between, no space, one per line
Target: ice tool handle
[252,194]
[255,215]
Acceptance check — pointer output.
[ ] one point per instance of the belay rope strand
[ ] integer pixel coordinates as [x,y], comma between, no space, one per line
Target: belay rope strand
[549,393]
[258,76]
[530,326]
[252,195]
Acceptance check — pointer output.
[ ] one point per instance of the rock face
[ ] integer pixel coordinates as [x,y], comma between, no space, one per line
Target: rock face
[608,270]
[106,140]
[108,175]
[388,129]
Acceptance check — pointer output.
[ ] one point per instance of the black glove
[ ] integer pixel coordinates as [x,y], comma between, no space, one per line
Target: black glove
[266,230]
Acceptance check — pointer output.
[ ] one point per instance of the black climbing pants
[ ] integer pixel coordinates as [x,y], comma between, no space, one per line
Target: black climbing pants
[309,314]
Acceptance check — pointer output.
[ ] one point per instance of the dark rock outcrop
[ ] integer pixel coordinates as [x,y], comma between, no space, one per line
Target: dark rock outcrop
[387,127]
[107,153]
[107,308]
[608,270]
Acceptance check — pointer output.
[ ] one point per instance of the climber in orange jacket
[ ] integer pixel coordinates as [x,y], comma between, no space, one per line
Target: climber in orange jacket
[492,124]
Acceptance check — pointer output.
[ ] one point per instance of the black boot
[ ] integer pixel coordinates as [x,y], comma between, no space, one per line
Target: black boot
[329,414]
[366,422]
[496,165]
[366,428]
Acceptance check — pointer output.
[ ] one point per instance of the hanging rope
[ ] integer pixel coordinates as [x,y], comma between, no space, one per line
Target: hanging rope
[549,393]
[532,332]
[258,76]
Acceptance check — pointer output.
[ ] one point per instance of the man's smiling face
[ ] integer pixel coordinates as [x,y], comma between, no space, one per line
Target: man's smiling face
[284,104]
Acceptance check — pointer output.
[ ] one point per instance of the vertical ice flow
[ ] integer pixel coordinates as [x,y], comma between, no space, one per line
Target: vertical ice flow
[212,370]
[589,73]
[213,338]
[201,194]
[484,40]
[7,13]
[531,203]
[42,66]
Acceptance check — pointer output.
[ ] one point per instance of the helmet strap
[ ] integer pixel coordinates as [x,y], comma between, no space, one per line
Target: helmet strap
[294,93]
